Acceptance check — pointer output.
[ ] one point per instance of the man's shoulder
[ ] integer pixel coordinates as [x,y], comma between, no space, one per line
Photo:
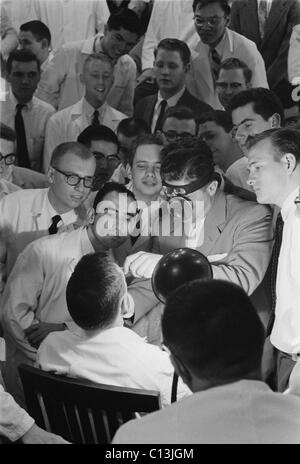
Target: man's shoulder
[42,105]
[245,208]
[23,197]
[146,101]
[197,105]
[243,45]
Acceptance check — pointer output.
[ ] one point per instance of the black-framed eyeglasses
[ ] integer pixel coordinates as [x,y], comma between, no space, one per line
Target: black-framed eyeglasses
[8,159]
[212,21]
[109,158]
[172,135]
[74,179]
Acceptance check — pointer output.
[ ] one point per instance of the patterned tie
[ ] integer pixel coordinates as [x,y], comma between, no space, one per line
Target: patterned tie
[95,119]
[158,125]
[53,228]
[274,265]
[262,13]
[22,150]
[215,62]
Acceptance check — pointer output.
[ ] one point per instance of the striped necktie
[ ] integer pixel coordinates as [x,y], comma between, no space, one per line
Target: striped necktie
[159,122]
[215,62]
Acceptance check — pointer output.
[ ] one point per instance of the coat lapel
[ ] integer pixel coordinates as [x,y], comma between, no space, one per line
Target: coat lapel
[277,10]
[214,223]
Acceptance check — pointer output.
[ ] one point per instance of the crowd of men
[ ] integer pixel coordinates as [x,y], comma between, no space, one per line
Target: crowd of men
[127,130]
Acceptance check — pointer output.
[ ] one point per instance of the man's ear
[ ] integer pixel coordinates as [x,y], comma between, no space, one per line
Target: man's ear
[45,43]
[129,171]
[187,67]
[275,121]
[81,78]
[290,162]
[50,175]
[212,188]
[90,215]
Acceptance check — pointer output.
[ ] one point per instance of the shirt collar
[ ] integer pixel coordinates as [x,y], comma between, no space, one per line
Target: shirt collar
[86,246]
[172,101]
[15,102]
[89,110]
[289,204]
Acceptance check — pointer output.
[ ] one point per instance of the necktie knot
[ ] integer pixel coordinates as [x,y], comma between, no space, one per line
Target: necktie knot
[20,106]
[95,120]
[53,227]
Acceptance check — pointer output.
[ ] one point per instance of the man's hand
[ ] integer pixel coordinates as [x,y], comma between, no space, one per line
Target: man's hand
[141,264]
[37,436]
[36,333]
[147,75]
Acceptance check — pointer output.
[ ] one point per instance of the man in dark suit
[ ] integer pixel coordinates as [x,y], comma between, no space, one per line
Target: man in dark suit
[269,25]
[171,65]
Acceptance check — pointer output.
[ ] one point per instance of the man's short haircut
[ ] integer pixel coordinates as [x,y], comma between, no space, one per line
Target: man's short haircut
[175,45]
[179,112]
[100,133]
[236,63]
[7,133]
[94,291]
[38,29]
[187,160]
[265,102]
[132,127]
[146,139]
[223,4]
[77,149]
[284,140]
[213,328]
[110,187]
[221,118]
[22,56]
[126,19]
[99,57]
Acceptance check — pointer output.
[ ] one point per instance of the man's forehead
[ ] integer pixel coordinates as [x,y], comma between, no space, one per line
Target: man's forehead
[98,65]
[232,75]
[71,162]
[27,35]
[179,124]
[208,126]
[104,146]
[244,112]
[168,55]
[6,146]
[27,66]
[262,150]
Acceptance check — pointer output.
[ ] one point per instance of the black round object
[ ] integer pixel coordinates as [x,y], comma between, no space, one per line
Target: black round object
[176,268]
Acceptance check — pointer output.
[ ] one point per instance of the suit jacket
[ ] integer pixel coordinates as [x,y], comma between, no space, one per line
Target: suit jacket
[274,46]
[200,81]
[144,108]
[239,228]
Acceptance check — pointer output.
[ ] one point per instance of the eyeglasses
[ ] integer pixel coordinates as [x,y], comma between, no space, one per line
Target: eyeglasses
[173,135]
[213,21]
[172,191]
[74,179]
[8,159]
[110,158]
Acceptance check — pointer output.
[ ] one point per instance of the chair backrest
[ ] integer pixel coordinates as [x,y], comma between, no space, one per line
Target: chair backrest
[79,410]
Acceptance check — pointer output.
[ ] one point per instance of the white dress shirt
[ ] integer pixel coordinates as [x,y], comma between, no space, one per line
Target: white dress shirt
[114,356]
[285,335]
[67,124]
[25,215]
[244,412]
[172,101]
[294,58]
[14,421]
[70,20]
[60,83]
[35,117]
[200,81]
[35,292]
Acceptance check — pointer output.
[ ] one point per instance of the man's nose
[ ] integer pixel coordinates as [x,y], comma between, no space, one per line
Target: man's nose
[80,185]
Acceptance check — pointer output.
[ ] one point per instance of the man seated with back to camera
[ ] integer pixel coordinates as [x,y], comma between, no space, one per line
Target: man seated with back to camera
[235,234]
[97,300]
[33,303]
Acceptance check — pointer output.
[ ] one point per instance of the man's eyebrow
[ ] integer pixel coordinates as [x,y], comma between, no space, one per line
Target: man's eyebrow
[243,121]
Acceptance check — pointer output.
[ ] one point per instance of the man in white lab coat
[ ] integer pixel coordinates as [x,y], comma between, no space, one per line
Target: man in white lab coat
[33,302]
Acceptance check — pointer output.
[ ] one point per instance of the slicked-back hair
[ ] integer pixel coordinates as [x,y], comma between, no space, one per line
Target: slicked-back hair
[77,149]
[283,140]
[146,139]
[236,63]
[7,133]
[221,118]
[100,56]
[265,102]
[99,133]
[223,4]
[187,160]
[179,112]
[94,291]
[175,45]
[126,19]
[38,29]
[110,187]
[213,328]
[132,127]
[22,56]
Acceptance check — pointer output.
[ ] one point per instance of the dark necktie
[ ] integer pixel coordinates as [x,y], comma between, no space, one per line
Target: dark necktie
[215,63]
[274,265]
[53,228]
[95,120]
[262,13]
[158,125]
[22,151]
